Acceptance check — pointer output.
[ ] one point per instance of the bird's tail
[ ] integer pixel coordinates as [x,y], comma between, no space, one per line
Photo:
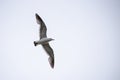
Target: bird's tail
[51,61]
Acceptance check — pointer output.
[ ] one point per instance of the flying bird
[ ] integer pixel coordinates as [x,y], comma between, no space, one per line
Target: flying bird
[44,41]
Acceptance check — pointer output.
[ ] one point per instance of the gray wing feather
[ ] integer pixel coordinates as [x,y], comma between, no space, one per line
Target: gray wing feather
[49,51]
[43,29]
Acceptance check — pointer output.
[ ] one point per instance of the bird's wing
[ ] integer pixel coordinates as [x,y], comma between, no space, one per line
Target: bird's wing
[49,51]
[43,29]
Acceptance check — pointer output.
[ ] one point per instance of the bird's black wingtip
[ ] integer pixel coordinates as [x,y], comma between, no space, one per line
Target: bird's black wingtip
[36,14]
[39,20]
[51,61]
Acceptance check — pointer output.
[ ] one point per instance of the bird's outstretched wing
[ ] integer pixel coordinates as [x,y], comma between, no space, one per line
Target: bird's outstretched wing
[49,51]
[43,29]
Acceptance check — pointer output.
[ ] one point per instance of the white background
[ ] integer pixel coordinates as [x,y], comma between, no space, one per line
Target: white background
[86,33]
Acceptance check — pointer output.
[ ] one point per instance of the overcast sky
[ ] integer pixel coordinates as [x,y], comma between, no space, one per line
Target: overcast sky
[86,45]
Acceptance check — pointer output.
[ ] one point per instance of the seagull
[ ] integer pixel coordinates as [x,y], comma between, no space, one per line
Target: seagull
[44,41]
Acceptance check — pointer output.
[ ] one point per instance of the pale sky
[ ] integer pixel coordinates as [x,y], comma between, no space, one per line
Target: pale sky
[86,45]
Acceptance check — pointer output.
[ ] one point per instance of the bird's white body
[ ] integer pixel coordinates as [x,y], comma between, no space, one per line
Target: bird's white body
[43,41]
